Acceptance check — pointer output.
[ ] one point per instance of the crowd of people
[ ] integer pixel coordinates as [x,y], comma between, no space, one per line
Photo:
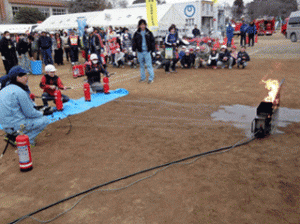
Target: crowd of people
[99,48]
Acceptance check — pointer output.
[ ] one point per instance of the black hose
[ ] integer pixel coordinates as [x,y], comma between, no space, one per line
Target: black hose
[132,175]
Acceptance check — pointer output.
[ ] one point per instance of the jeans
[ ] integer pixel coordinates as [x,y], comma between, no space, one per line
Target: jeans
[46,97]
[145,58]
[47,56]
[224,63]
[33,127]
[25,62]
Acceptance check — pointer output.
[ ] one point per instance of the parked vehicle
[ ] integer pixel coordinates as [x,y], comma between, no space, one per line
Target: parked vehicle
[265,26]
[293,26]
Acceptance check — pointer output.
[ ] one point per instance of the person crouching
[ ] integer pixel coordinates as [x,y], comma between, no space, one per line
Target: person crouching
[49,83]
[225,58]
[242,58]
[93,72]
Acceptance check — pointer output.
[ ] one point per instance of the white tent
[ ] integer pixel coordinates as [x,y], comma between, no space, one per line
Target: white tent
[16,28]
[125,17]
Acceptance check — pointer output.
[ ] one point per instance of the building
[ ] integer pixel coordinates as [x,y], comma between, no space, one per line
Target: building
[9,8]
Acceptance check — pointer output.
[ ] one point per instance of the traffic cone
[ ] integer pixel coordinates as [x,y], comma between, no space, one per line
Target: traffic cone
[247,40]
[256,37]
[225,41]
[232,42]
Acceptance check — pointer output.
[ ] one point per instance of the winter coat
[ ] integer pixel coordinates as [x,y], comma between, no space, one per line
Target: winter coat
[171,39]
[16,107]
[251,29]
[45,42]
[229,31]
[8,50]
[137,41]
[224,54]
[93,72]
[85,39]
[47,80]
[243,29]
[22,47]
[196,32]
[243,54]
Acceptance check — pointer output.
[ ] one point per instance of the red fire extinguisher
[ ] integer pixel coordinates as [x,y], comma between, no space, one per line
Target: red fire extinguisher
[106,86]
[23,144]
[58,101]
[87,92]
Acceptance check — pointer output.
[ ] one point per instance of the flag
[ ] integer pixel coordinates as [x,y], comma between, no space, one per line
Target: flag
[151,13]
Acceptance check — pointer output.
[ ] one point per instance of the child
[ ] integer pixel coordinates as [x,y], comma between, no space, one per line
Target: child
[201,57]
[119,58]
[93,72]
[186,60]
[233,54]
[113,46]
[213,58]
[224,58]
[49,83]
[242,58]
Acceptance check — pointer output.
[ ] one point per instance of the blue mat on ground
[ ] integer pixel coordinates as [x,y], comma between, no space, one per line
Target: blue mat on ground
[80,105]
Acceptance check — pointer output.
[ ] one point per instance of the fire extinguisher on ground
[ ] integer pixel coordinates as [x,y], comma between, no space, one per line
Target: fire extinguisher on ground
[106,85]
[23,144]
[87,91]
[58,101]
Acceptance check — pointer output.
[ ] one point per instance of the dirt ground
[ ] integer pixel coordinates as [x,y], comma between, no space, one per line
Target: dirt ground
[155,124]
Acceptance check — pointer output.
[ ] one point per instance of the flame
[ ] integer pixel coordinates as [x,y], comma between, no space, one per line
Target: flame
[272,86]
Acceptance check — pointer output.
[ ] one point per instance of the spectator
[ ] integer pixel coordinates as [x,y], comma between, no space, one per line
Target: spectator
[251,30]
[201,57]
[74,43]
[98,44]
[143,41]
[229,34]
[23,49]
[131,59]
[196,31]
[8,52]
[159,61]
[171,43]
[58,49]
[224,58]
[213,58]
[66,46]
[49,83]
[113,46]
[119,58]
[45,44]
[242,58]
[17,108]
[186,60]
[126,40]
[34,46]
[85,40]
[243,33]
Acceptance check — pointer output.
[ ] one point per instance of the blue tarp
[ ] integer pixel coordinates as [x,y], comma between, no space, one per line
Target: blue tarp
[80,105]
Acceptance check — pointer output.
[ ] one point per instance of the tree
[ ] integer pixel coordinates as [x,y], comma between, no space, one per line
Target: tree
[29,15]
[277,8]
[237,9]
[88,5]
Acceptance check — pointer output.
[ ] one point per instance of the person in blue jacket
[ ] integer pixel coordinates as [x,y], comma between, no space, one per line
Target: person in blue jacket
[17,108]
[45,44]
[251,30]
[229,34]
[171,42]
[243,33]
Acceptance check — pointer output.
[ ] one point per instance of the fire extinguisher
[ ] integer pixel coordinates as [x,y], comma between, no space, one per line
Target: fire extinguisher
[58,101]
[87,92]
[23,144]
[106,86]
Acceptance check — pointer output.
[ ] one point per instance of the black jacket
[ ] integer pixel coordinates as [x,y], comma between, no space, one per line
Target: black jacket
[138,39]
[22,47]
[93,72]
[224,54]
[8,50]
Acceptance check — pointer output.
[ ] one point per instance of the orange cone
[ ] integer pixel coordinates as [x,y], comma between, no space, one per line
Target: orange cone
[247,40]
[225,41]
[232,42]
[256,37]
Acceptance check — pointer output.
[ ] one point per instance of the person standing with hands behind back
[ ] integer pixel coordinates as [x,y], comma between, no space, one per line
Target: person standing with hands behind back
[8,52]
[143,41]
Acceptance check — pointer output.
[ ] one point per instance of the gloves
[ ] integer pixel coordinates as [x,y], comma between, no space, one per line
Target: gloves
[134,53]
[3,58]
[153,54]
[32,96]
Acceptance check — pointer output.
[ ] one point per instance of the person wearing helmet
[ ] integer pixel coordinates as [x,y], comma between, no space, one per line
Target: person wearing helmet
[17,108]
[213,58]
[225,58]
[186,60]
[49,83]
[93,72]
[201,57]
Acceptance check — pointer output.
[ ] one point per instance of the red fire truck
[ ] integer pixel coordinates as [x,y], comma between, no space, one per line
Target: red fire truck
[265,26]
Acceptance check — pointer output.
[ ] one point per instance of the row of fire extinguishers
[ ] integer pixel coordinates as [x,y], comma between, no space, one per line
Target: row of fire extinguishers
[22,140]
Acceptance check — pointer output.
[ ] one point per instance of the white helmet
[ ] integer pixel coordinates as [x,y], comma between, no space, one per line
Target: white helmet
[50,68]
[223,47]
[93,57]
[90,30]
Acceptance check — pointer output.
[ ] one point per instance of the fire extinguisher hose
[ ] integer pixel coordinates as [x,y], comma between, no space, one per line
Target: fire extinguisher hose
[223,149]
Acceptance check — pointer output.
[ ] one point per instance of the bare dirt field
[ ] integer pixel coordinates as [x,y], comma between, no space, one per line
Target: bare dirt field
[156,124]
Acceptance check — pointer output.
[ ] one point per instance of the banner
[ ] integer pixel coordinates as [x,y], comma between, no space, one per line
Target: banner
[81,24]
[151,13]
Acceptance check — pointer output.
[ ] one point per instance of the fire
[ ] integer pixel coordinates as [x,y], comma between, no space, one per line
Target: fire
[272,86]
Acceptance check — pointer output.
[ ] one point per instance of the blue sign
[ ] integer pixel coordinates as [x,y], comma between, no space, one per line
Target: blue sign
[81,24]
[189,10]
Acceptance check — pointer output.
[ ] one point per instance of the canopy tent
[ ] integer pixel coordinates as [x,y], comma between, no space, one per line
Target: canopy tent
[124,17]
[16,28]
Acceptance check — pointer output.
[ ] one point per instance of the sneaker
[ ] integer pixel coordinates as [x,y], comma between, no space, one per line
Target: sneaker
[230,67]
[142,80]
[238,66]
[150,81]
